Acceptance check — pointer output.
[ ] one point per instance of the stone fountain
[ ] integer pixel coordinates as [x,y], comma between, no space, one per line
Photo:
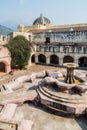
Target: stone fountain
[60,94]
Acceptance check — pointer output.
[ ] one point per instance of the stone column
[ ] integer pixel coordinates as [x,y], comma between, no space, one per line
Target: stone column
[8,68]
[76,61]
[82,50]
[47,60]
[36,59]
[61,48]
[60,61]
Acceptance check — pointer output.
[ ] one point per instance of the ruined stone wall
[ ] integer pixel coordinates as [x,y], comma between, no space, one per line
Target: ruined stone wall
[3,39]
[5,58]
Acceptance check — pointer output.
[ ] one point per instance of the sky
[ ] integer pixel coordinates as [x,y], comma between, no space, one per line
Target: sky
[60,12]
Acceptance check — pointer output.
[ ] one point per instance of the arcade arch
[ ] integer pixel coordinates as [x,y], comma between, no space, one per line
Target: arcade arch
[54,59]
[82,61]
[68,59]
[2,67]
[42,58]
[33,58]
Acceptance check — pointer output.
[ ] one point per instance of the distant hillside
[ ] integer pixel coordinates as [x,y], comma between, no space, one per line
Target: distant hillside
[5,30]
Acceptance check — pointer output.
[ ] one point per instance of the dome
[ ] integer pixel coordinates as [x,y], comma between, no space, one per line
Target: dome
[42,21]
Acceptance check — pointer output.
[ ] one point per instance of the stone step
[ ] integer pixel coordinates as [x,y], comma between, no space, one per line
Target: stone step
[59,112]
[49,98]
[70,108]
[61,97]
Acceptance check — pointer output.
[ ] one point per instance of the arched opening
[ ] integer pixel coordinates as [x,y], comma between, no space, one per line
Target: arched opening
[54,59]
[33,59]
[47,40]
[2,67]
[68,59]
[42,58]
[82,62]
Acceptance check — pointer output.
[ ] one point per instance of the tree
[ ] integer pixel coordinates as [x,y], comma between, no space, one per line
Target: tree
[20,49]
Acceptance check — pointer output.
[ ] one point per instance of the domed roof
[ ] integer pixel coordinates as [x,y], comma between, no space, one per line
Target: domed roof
[41,20]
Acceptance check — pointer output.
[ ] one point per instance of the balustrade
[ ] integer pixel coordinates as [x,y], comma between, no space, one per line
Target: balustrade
[63,49]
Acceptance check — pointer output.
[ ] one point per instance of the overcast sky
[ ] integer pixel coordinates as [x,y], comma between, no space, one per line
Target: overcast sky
[14,12]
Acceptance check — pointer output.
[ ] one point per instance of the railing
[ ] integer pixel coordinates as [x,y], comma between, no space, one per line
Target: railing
[62,49]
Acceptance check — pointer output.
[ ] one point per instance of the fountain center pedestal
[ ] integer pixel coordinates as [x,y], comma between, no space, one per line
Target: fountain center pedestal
[70,72]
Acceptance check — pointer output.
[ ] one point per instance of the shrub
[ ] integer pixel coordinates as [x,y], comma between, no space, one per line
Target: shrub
[20,49]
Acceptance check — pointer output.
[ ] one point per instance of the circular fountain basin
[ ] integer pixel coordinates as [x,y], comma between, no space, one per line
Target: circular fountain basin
[65,94]
[70,65]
